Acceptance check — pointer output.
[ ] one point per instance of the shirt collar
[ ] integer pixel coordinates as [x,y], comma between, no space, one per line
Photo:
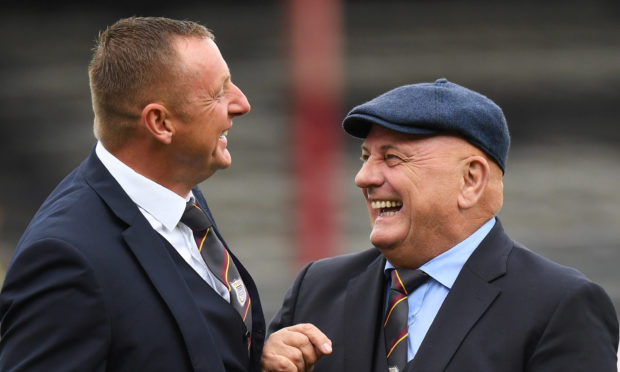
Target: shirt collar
[163,204]
[447,266]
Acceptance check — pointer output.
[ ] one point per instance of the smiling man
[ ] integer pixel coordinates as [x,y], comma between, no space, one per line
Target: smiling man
[444,288]
[122,268]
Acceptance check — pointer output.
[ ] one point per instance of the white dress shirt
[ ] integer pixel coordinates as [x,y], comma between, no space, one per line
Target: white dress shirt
[163,209]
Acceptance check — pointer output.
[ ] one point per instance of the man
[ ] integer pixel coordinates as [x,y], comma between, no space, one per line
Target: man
[433,159]
[108,276]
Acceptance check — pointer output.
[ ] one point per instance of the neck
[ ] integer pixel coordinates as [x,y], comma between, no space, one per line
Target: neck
[153,165]
[418,253]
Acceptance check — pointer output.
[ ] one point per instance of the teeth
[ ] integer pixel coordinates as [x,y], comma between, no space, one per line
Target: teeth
[225,133]
[378,204]
[388,213]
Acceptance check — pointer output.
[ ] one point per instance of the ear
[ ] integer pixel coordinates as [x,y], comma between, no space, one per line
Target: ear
[475,175]
[156,120]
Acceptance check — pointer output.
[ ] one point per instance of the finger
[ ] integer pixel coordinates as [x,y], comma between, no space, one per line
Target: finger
[318,339]
[288,345]
[309,352]
[302,344]
[271,362]
[299,349]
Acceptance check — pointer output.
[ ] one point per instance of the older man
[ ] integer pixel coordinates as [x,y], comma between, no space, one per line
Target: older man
[445,289]
[122,268]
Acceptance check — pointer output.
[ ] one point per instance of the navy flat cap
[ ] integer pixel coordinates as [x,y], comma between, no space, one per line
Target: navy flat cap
[433,108]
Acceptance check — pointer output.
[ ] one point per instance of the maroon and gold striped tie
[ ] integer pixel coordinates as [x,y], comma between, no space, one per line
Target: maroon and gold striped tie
[217,258]
[395,325]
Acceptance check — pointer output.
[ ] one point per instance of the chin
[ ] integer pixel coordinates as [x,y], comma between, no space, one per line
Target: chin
[381,242]
[222,163]
[223,160]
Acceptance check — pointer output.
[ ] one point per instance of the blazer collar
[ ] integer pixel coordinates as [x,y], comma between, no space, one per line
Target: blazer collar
[151,254]
[98,177]
[472,294]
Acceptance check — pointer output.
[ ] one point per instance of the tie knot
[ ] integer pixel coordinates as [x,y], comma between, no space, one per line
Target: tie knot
[406,281]
[195,218]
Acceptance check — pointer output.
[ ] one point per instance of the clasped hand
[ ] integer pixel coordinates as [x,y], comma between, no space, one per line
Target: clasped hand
[295,349]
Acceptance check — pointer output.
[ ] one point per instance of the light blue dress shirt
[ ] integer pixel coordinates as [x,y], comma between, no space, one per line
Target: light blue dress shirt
[425,301]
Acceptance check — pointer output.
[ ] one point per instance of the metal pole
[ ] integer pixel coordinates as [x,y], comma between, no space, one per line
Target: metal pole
[316,66]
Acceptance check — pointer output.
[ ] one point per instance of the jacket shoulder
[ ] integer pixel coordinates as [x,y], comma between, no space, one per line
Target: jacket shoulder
[331,275]
[352,263]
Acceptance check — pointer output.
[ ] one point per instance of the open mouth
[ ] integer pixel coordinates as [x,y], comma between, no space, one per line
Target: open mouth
[387,207]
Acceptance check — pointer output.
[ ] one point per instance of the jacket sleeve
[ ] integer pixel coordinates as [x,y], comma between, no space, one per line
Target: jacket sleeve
[582,334]
[52,312]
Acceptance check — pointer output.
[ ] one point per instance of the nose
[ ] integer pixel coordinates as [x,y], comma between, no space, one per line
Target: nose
[369,175]
[239,104]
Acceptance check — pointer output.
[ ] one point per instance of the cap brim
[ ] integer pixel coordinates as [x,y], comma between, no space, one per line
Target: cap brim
[358,125]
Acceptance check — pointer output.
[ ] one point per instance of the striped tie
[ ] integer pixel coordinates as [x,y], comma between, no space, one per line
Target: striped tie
[218,260]
[395,325]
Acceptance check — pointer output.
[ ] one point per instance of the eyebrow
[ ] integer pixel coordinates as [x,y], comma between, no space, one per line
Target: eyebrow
[382,148]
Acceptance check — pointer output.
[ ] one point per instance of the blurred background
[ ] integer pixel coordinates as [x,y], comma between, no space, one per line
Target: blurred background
[289,197]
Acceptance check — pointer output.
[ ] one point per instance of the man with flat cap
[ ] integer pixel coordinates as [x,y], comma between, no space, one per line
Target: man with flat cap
[444,288]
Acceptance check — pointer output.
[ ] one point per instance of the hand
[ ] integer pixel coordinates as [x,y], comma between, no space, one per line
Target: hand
[295,349]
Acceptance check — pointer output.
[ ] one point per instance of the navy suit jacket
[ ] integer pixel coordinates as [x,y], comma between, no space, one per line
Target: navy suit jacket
[509,310]
[92,287]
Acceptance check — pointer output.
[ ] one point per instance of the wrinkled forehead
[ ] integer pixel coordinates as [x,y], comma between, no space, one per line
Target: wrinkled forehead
[380,138]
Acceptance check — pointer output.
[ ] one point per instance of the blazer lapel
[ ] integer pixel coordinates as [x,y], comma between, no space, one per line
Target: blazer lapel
[457,315]
[151,254]
[471,295]
[365,293]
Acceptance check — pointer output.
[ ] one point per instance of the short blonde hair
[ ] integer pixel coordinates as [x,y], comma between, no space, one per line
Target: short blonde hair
[129,61]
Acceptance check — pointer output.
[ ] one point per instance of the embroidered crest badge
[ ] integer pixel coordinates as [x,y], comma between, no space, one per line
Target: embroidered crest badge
[240,291]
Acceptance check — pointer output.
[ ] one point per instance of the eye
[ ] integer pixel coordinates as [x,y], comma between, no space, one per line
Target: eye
[364,157]
[221,92]
[392,159]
